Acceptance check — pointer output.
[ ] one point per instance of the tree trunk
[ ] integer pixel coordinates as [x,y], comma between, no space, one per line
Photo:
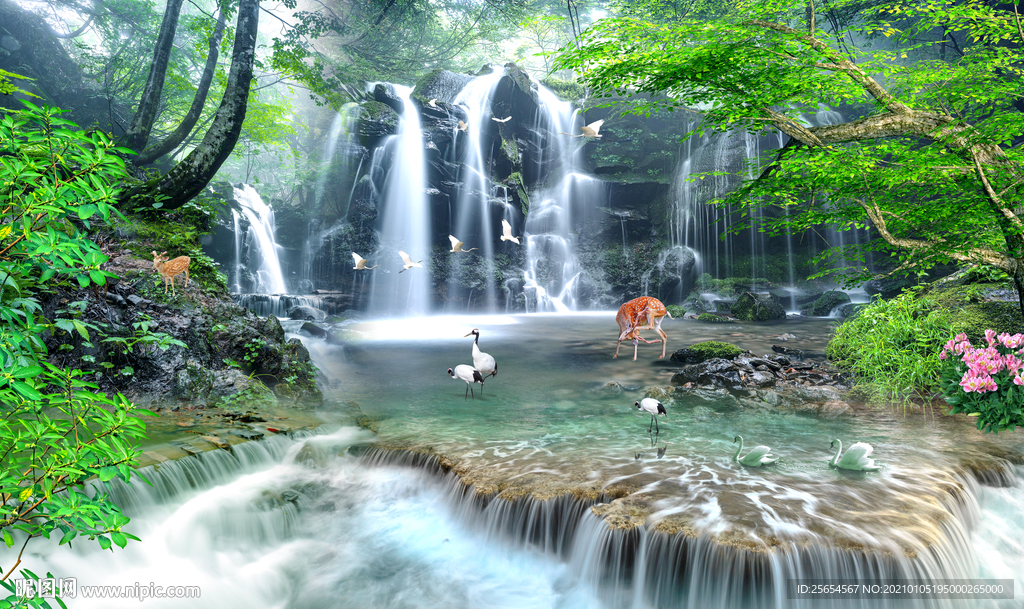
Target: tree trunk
[138,132]
[189,177]
[188,123]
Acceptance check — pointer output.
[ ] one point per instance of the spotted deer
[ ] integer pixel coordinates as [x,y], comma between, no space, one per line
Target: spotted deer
[644,313]
[169,269]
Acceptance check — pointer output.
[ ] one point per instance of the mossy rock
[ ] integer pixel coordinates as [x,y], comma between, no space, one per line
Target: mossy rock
[675,311]
[701,352]
[758,307]
[828,301]
[714,319]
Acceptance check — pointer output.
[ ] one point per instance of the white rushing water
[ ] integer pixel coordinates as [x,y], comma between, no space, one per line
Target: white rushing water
[259,242]
[305,524]
[405,218]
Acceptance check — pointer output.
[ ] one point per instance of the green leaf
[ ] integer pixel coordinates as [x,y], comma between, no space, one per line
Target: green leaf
[87,211]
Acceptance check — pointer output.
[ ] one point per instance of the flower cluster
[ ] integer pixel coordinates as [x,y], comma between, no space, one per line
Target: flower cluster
[984,363]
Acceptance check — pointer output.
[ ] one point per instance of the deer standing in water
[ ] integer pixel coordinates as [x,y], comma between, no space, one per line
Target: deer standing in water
[632,318]
[169,269]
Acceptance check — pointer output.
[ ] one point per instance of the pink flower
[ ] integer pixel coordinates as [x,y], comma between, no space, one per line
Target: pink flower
[970,384]
[1018,380]
[990,336]
[942,355]
[961,337]
[1011,342]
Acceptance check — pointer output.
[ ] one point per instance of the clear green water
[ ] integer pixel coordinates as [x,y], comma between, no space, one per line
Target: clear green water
[546,422]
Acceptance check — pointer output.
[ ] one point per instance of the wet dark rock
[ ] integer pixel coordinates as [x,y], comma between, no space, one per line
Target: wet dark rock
[441,85]
[314,330]
[828,301]
[385,94]
[758,307]
[306,313]
[248,434]
[376,122]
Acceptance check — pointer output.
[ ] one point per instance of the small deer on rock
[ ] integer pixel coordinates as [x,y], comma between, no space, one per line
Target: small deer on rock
[169,269]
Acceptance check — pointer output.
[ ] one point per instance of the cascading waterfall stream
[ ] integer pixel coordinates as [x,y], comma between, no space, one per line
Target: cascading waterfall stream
[405,219]
[259,242]
[552,268]
[307,523]
[475,208]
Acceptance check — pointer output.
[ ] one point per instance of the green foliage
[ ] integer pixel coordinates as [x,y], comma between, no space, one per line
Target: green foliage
[567,90]
[676,311]
[56,429]
[710,349]
[892,346]
[940,185]
[253,350]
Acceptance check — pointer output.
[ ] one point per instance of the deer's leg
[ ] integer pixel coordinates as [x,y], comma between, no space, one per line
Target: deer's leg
[186,276]
[635,343]
[617,345]
[664,337]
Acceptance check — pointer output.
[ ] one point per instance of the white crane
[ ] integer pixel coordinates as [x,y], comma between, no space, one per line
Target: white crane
[506,232]
[361,263]
[470,375]
[482,361]
[856,457]
[407,262]
[652,407]
[590,130]
[759,455]
[501,120]
[458,245]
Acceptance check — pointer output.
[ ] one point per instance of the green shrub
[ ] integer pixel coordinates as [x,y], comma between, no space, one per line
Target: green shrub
[712,318]
[892,346]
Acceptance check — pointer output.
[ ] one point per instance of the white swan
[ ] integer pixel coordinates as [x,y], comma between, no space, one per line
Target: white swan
[757,456]
[856,457]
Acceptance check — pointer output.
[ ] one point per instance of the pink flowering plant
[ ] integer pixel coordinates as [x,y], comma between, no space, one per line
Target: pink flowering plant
[985,382]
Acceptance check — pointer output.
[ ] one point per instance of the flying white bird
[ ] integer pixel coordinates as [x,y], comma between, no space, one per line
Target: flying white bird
[463,126]
[759,455]
[470,375]
[432,103]
[407,262]
[506,232]
[856,457]
[457,245]
[590,130]
[652,407]
[361,263]
[482,361]
[501,120]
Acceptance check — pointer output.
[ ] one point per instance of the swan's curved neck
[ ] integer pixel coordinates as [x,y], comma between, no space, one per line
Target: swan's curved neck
[736,457]
[839,449]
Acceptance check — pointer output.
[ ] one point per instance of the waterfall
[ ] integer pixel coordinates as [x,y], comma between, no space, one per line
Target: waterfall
[553,272]
[404,220]
[476,204]
[259,242]
[328,520]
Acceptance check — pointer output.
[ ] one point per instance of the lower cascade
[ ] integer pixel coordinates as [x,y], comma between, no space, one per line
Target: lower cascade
[327,520]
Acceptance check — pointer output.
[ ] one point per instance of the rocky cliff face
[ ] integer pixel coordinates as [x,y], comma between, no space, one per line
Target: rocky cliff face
[227,354]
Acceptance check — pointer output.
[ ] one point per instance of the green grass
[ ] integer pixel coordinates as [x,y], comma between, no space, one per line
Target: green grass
[892,347]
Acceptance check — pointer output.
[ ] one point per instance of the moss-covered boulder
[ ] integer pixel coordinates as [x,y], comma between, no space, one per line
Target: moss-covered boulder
[828,301]
[758,307]
[713,319]
[441,85]
[701,352]
[376,121]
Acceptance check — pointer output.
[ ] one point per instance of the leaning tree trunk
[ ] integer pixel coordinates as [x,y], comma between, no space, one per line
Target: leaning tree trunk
[189,177]
[142,123]
[188,123]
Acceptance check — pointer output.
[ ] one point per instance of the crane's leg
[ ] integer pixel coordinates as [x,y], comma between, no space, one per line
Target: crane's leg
[467,392]
[651,426]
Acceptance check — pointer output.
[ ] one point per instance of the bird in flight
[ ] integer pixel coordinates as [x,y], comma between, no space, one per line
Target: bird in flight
[501,120]
[407,262]
[457,245]
[463,126]
[432,103]
[361,263]
[590,130]
[506,232]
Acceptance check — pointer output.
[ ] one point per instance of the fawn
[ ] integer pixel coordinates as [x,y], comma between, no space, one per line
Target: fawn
[169,269]
[633,316]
